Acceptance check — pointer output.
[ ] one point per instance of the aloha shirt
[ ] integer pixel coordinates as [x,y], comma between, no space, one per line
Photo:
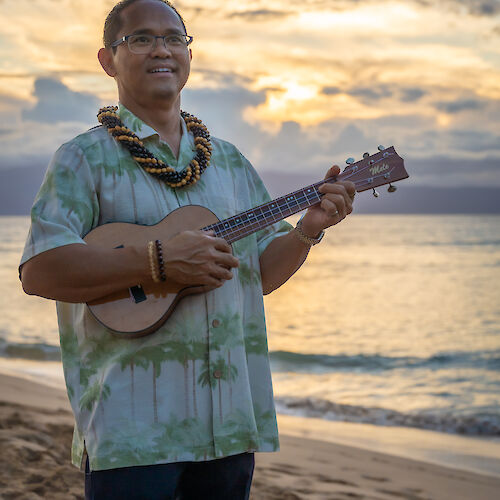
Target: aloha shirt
[200,387]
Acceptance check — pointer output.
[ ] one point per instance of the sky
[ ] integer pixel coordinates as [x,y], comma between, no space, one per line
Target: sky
[296,85]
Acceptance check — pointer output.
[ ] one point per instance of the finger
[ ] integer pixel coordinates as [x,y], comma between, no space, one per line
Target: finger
[339,194]
[227,260]
[350,187]
[222,245]
[339,189]
[333,171]
[330,208]
[336,187]
[220,273]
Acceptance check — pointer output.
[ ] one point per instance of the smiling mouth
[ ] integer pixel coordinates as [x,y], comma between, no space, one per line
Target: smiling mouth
[161,70]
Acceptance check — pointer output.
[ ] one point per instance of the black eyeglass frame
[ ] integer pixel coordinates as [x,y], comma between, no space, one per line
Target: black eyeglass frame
[123,39]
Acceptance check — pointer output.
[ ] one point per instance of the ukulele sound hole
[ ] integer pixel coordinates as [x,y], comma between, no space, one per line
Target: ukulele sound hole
[137,293]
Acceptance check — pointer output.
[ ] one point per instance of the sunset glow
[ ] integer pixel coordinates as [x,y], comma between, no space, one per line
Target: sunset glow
[401,72]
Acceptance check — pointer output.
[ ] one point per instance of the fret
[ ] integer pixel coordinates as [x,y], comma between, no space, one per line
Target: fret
[240,225]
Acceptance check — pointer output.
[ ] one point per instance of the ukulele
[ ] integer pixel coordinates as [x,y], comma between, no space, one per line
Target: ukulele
[139,311]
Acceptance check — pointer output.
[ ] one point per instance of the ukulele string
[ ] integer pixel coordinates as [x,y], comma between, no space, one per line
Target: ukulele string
[237,230]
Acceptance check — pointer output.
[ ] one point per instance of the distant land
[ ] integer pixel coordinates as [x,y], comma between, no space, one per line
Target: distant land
[19,186]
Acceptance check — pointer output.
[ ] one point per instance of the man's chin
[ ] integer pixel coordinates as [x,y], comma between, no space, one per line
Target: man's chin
[165,94]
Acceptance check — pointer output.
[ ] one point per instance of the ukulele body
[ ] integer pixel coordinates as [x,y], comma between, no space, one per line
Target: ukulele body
[138,311]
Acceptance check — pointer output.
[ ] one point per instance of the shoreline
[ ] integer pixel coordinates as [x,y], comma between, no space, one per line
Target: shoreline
[475,454]
[36,427]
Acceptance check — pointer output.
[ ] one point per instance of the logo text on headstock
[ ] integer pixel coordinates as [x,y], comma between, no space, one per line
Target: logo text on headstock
[378,169]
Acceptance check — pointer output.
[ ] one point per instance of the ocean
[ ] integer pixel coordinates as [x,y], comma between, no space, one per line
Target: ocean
[394,320]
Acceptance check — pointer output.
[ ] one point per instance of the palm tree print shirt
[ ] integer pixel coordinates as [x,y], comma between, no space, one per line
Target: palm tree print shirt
[200,387]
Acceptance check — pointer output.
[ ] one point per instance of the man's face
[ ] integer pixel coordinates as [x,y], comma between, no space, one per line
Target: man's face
[138,83]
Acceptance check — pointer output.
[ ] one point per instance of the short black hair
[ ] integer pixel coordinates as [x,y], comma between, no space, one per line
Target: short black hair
[113,22]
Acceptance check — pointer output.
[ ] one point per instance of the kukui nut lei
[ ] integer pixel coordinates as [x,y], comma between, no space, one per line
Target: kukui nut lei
[157,168]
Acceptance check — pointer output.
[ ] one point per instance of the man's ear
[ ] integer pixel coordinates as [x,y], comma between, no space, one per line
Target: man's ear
[190,55]
[106,59]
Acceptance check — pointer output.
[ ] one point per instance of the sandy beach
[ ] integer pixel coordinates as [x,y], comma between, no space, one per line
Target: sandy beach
[35,436]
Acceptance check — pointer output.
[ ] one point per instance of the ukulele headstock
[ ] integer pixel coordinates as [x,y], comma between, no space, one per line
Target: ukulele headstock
[383,167]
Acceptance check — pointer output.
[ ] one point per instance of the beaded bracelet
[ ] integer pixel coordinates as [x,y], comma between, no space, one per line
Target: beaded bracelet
[153,262]
[304,238]
[161,266]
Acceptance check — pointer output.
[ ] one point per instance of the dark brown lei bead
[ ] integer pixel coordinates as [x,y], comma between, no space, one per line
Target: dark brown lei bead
[110,119]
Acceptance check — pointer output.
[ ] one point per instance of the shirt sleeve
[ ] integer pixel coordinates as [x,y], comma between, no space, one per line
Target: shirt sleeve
[66,207]
[259,195]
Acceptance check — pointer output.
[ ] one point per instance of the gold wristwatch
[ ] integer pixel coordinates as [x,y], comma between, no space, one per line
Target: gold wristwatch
[304,238]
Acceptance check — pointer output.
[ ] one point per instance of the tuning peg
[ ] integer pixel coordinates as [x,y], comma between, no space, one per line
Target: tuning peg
[350,161]
[391,188]
[366,155]
[381,148]
[375,193]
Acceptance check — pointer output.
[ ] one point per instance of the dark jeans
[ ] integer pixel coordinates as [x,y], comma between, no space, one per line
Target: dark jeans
[226,478]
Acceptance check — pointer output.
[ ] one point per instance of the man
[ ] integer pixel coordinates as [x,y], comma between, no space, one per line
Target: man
[179,413]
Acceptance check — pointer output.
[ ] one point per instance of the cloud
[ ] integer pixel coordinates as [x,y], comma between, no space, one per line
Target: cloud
[58,103]
[219,78]
[331,90]
[411,94]
[481,7]
[223,100]
[351,139]
[59,114]
[372,93]
[474,141]
[223,108]
[474,7]
[377,92]
[259,15]
[458,105]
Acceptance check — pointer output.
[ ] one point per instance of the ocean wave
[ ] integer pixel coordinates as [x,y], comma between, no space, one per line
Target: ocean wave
[470,425]
[285,361]
[36,352]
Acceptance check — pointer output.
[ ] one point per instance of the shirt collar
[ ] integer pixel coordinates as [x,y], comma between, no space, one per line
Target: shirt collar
[144,131]
[141,129]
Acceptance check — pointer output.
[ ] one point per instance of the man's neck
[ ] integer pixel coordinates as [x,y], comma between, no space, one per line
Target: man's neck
[164,119]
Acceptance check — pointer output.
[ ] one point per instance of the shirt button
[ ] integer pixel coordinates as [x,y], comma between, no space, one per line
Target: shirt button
[215,323]
[217,374]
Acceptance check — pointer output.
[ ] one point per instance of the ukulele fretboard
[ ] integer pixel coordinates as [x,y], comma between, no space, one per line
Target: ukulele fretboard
[246,223]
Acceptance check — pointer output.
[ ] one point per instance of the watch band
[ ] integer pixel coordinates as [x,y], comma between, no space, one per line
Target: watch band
[304,238]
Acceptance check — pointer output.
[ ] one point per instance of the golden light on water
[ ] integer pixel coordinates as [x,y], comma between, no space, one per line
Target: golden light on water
[370,288]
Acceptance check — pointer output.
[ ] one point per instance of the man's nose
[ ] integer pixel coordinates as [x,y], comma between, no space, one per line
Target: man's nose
[160,47]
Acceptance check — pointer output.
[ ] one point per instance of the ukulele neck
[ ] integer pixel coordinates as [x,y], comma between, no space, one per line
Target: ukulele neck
[245,223]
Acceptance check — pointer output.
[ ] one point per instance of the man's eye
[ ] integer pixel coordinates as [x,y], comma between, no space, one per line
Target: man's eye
[175,39]
[141,40]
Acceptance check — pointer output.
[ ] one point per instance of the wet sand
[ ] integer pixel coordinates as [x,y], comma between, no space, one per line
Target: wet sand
[35,437]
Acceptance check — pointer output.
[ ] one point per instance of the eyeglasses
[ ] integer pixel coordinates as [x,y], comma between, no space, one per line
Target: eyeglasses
[144,44]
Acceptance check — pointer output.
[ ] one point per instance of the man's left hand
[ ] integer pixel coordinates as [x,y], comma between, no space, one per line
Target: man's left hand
[335,205]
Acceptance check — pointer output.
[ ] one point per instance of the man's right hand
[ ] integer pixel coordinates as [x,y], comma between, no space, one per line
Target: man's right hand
[82,273]
[198,258]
